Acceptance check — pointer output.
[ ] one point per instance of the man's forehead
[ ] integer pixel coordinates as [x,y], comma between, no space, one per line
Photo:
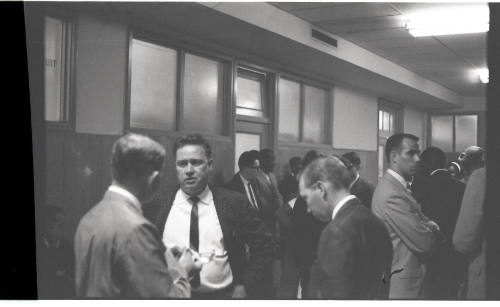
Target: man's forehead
[409,143]
[189,150]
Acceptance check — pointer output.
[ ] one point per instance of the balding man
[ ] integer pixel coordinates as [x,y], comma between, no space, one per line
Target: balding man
[119,253]
[354,250]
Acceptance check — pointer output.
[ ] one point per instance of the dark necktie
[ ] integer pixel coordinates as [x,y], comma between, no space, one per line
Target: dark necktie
[194,236]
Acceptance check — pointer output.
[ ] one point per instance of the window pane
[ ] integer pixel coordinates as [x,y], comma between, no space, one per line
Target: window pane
[289,110]
[153,86]
[54,69]
[249,96]
[380,120]
[442,132]
[314,115]
[386,122]
[465,131]
[203,94]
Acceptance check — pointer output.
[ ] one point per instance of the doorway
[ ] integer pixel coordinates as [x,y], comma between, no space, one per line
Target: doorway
[390,121]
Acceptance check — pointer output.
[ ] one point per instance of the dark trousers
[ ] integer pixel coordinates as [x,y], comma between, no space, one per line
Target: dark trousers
[223,294]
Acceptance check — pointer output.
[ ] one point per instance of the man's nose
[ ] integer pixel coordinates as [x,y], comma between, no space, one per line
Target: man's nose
[189,168]
[417,158]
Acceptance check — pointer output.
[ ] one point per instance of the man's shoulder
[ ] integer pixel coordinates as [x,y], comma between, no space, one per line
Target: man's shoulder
[227,195]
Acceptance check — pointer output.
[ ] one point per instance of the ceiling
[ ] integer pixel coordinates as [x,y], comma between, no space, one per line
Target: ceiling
[380,28]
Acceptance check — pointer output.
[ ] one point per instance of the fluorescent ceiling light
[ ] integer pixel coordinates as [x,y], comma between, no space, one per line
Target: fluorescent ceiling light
[484,75]
[449,20]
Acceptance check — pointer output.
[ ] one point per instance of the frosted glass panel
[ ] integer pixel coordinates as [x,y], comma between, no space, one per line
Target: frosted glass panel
[442,132]
[249,97]
[203,94]
[245,142]
[54,69]
[465,131]
[314,115]
[380,120]
[153,86]
[289,110]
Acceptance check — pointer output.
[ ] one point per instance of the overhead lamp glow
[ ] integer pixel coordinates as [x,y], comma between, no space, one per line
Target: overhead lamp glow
[446,21]
[484,75]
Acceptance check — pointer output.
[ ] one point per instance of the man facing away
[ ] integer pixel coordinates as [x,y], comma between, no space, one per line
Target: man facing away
[414,236]
[289,186]
[354,250]
[216,223]
[118,252]
[359,187]
[440,196]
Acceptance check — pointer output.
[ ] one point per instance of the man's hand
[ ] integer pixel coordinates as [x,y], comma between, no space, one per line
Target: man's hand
[239,292]
[433,226]
[189,263]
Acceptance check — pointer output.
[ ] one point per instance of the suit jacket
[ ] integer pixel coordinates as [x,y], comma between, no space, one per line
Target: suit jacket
[269,190]
[363,190]
[119,254]
[440,196]
[266,211]
[304,234]
[411,239]
[240,224]
[468,237]
[288,187]
[354,254]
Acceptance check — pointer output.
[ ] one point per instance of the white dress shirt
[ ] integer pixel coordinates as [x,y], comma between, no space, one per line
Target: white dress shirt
[341,204]
[250,192]
[216,274]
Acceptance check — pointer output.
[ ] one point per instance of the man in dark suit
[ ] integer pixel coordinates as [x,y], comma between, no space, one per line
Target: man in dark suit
[359,187]
[245,182]
[119,253]
[354,250]
[440,196]
[216,223]
[289,186]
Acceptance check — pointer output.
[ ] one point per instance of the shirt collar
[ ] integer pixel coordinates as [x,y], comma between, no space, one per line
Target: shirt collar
[398,177]
[245,182]
[340,204]
[123,192]
[354,181]
[206,197]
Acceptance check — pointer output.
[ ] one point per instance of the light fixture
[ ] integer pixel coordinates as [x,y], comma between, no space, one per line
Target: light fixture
[449,20]
[484,75]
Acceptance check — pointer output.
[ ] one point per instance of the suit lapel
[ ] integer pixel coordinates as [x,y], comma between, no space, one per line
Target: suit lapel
[399,187]
[221,210]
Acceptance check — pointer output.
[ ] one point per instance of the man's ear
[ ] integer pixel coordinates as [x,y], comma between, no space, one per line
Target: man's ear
[210,164]
[322,189]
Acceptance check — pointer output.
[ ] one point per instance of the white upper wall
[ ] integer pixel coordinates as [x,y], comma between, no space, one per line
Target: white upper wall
[414,122]
[100,76]
[354,119]
[268,17]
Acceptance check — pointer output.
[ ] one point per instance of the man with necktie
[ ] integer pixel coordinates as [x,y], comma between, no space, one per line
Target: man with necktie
[215,223]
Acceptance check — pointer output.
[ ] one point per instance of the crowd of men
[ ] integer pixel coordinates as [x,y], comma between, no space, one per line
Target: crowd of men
[322,232]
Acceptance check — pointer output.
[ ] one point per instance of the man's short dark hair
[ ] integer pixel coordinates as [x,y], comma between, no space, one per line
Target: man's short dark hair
[432,158]
[310,156]
[295,164]
[353,158]
[266,153]
[193,139]
[330,169]
[247,159]
[395,141]
[136,155]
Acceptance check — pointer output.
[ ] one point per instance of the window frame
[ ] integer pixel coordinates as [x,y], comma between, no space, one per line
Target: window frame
[453,115]
[182,49]
[328,126]
[69,18]
[263,78]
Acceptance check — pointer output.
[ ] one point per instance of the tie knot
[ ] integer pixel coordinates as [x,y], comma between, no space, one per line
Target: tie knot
[194,199]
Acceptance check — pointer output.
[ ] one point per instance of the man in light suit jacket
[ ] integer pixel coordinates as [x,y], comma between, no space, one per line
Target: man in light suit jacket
[354,250]
[468,237]
[414,236]
[119,253]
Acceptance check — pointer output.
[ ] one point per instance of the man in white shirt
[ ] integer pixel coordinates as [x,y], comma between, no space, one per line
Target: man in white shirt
[215,223]
[414,236]
[354,250]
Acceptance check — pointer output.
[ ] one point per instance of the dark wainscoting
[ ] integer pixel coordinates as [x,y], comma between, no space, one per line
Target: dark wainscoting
[78,169]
